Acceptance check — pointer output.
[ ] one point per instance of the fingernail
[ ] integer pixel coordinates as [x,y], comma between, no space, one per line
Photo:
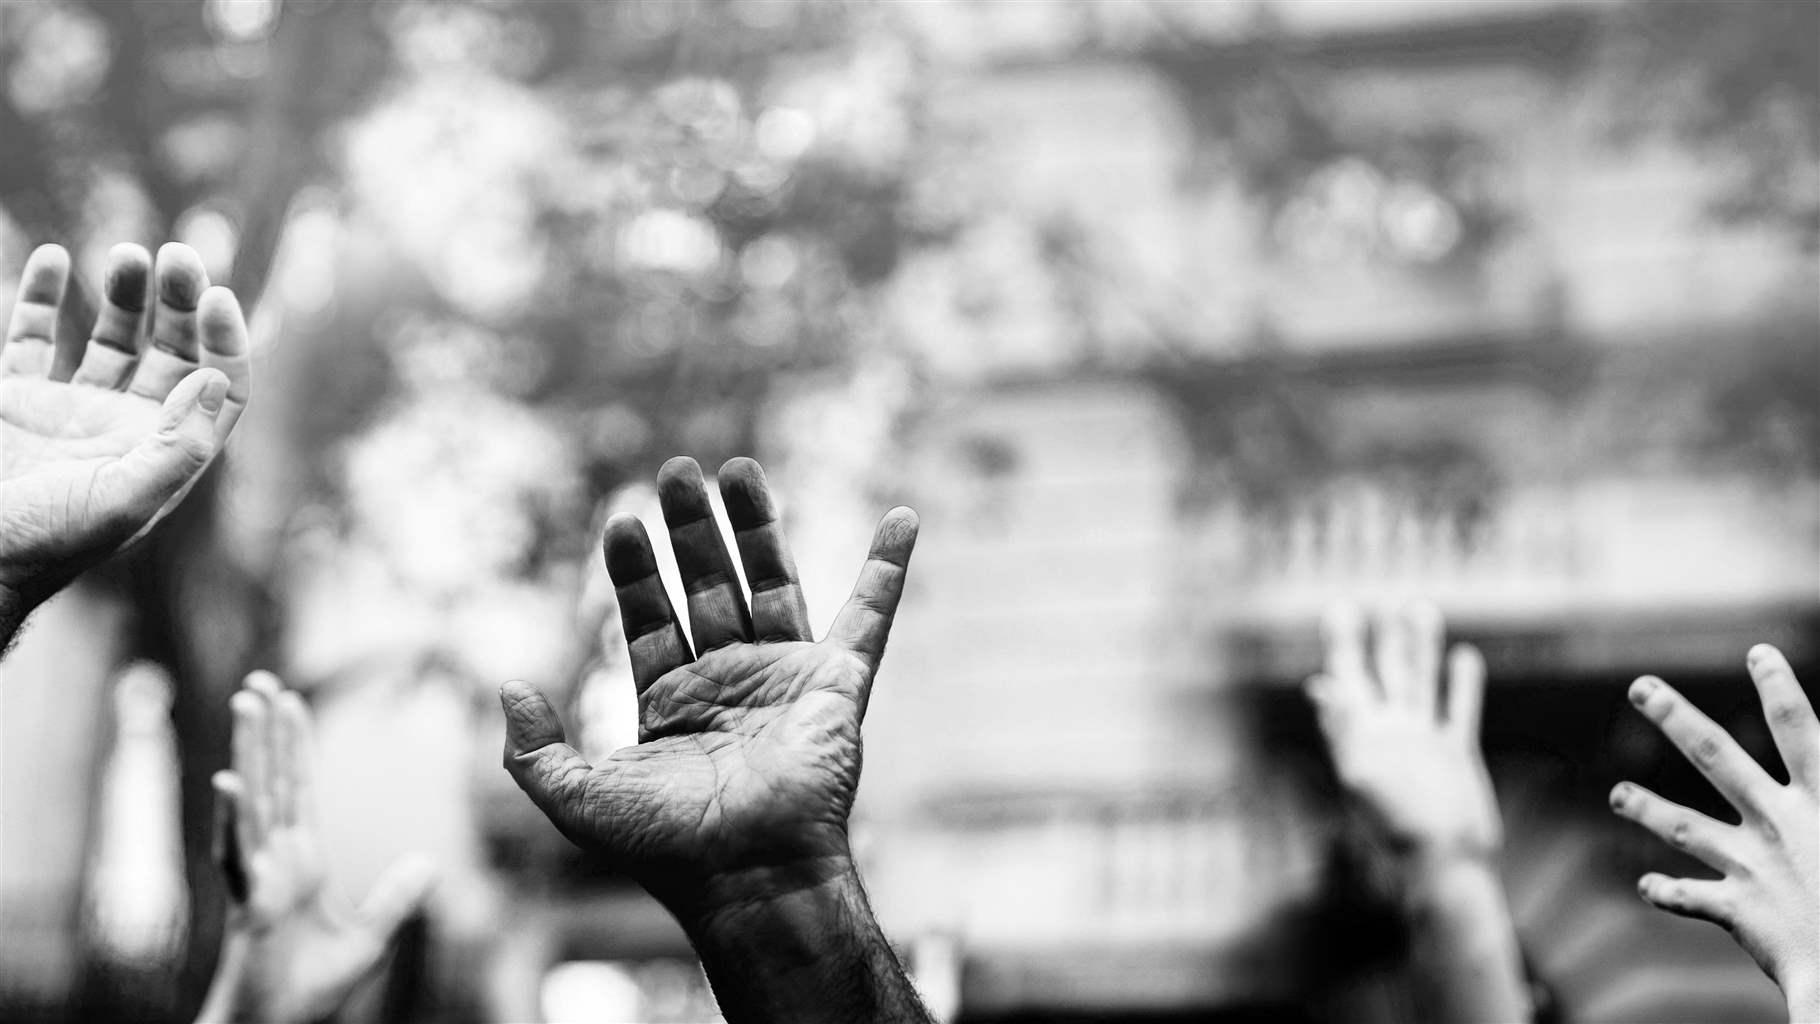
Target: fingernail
[214,393]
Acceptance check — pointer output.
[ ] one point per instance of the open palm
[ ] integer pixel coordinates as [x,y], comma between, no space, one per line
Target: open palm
[749,752]
[1406,751]
[290,955]
[95,449]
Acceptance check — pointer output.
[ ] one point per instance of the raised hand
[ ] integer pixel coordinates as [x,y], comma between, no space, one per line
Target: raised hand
[288,955]
[1768,895]
[732,809]
[1405,747]
[90,463]
[1405,744]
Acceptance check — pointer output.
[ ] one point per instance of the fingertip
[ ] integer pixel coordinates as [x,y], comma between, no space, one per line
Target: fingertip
[227,783]
[1643,689]
[181,275]
[196,389]
[627,550]
[531,724]
[895,537]
[264,683]
[246,703]
[745,492]
[679,472]
[1318,687]
[1764,659]
[1466,658]
[49,256]
[1618,796]
[129,272]
[223,322]
[742,467]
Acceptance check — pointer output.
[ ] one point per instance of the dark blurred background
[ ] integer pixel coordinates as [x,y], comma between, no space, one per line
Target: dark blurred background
[1175,320]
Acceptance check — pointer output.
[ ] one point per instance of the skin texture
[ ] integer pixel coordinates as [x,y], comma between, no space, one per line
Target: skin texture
[98,442]
[1405,743]
[288,955]
[1768,895]
[732,809]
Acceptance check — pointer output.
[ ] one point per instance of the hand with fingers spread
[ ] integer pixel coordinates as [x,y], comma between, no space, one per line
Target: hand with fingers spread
[732,809]
[1769,895]
[89,463]
[1405,744]
[287,955]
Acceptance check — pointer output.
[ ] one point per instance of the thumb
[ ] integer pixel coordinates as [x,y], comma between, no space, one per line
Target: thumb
[158,466]
[398,895]
[538,755]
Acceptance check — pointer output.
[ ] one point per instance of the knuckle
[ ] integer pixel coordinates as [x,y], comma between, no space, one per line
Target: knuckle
[1680,836]
[1786,714]
[1706,750]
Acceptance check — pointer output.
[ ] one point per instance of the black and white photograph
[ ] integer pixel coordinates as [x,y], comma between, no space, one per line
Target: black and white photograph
[910,511]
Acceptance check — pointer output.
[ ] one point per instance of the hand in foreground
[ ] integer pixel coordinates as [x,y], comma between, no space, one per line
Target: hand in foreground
[1769,895]
[732,809]
[1406,748]
[90,463]
[287,955]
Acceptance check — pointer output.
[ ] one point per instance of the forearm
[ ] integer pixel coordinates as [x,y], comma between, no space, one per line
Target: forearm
[225,1003]
[1463,944]
[1803,998]
[801,950]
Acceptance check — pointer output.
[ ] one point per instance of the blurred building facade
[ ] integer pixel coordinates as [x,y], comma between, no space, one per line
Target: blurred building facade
[1176,321]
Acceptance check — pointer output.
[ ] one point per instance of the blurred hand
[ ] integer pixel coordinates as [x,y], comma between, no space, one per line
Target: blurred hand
[90,463]
[288,956]
[1406,749]
[749,752]
[1769,894]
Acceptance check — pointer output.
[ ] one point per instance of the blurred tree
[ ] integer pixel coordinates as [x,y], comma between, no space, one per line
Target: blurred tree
[1740,81]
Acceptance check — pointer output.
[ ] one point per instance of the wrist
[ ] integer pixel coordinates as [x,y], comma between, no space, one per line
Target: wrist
[1432,875]
[780,895]
[1803,995]
[225,1002]
[797,943]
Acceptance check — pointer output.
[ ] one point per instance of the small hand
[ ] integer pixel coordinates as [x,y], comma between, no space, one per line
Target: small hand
[749,752]
[1769,894]
[1404,749]
[90,463]
[288,955]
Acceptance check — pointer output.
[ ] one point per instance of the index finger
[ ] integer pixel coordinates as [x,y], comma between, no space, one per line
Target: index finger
[864,622]
[252,747]
[1710,748]
[654,639]
[1343,642]
[31,332]
[1790,714]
